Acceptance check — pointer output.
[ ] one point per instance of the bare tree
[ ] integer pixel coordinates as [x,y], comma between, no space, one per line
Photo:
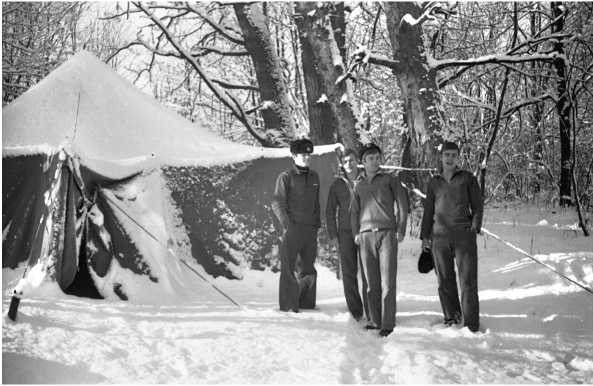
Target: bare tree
[172,36]
[36,38]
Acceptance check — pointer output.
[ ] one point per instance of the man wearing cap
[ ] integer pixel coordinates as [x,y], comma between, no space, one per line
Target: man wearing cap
[376,228]
[339,203]
[296,206]
[452,217]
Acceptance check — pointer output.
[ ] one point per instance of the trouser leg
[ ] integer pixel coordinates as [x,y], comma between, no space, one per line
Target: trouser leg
[364,291]
[370,264]
[289,288]
[349,264]
[466,254]
[307,275]
[388,268]
[445,270]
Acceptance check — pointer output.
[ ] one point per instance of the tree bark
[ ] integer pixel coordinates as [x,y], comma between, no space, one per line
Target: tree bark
[331,118]
[418,87]
[276,110]
[563,106]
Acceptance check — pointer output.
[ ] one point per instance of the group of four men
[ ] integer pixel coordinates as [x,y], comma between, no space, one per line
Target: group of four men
[366,216]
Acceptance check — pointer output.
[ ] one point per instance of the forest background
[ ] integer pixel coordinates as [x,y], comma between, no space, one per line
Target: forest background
[510,81]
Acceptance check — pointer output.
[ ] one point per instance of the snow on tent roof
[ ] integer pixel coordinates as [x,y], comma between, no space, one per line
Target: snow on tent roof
[115,121]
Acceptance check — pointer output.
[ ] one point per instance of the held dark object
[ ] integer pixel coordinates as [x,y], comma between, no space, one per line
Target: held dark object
[14,306]
[425,261]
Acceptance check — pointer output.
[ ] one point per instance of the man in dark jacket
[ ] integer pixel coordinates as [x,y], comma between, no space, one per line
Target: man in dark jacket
[296,206]
[377,230]
[338,202]
[452,217]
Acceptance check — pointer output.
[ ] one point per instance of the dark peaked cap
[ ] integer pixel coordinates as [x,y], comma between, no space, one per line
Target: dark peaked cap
[301,146]
[368,147]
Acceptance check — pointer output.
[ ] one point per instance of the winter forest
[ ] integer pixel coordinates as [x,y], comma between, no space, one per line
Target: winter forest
[510,81]
[184,258]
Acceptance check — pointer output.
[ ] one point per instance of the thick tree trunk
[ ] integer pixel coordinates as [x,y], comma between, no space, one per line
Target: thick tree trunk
[331,113]
[276,110]
[417,85]
[563,107]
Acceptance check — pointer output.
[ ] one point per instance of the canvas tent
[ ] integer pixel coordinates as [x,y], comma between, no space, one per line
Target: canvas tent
[101,184]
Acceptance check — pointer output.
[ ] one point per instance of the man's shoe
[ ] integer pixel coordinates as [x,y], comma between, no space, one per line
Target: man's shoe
[473,328]
[371,327]
[384,333]
[451,322]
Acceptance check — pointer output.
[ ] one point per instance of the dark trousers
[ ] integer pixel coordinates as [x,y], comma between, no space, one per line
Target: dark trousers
[378,252]
[461,247]
[349,262]
[298,277]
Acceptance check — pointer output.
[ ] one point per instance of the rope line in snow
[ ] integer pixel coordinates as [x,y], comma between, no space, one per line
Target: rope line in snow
[508,244]
[169,249]
[389,167]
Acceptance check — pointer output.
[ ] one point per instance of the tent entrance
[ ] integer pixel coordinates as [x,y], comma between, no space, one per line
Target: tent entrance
[83,284]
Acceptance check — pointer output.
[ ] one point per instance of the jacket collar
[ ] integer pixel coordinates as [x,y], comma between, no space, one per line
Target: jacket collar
[300,171]
[456,172]
[362,176]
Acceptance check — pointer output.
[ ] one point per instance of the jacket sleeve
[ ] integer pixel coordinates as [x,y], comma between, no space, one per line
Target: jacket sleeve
[428,214]
[476,204]
[355,213]
[279,201]
[317,209]
[401,195]
[330,212]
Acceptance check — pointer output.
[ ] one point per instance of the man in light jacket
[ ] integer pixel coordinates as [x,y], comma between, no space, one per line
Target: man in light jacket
[377,230]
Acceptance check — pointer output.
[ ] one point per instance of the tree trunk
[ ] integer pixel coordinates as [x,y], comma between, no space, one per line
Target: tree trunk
[537,113]
[331,118]
[418,88]
[276,110]
[563,106]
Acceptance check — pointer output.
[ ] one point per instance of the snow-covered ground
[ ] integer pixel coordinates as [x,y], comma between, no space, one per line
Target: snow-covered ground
[538,328]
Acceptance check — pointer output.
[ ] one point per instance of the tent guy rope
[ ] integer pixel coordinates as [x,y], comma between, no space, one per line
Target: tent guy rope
[168,249]
[489,233]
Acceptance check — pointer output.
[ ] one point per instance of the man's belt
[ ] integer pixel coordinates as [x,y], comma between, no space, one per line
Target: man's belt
[377,230]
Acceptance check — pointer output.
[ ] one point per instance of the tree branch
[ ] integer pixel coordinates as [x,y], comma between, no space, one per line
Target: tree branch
[212,50]
[228,100]
[491,59]
[235,86]
[216,26]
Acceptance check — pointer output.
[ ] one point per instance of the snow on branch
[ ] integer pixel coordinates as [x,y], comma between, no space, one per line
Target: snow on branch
[428,13]
[203,50]
[362,56]
[492,59]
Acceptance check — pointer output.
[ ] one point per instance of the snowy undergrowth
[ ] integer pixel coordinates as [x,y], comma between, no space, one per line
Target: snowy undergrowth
[537,328]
